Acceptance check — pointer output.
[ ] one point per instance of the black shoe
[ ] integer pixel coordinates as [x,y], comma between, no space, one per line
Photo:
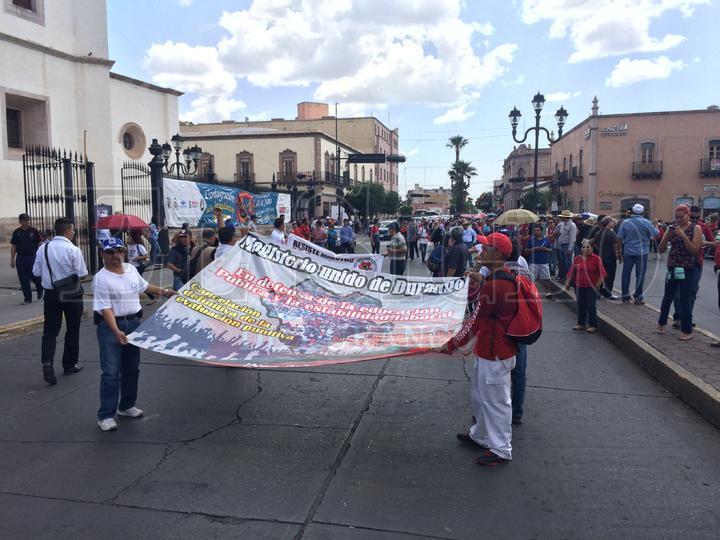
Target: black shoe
[26,302]
[76,368]
[49,374]
[467,439]
[40,293]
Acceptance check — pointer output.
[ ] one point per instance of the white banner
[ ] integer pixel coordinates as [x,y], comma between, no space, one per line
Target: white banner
[361,261]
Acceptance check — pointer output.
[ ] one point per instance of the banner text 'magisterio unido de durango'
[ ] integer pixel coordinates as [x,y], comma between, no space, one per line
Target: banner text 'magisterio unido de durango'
[269,305]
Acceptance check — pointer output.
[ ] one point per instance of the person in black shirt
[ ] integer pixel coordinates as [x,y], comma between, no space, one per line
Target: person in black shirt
[178,260]
[457,258]
[604,241]
[25,242]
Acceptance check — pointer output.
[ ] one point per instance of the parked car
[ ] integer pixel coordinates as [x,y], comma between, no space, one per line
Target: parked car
[384,231]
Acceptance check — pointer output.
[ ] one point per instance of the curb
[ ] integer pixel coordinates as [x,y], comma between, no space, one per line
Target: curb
[690,388]
[9,331]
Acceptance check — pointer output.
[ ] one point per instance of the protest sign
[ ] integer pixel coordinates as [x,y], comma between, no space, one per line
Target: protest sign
[193,203]
[359,261]
[268,305]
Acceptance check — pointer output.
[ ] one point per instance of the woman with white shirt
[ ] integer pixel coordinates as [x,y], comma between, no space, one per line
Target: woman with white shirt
[423,239]
[278,234]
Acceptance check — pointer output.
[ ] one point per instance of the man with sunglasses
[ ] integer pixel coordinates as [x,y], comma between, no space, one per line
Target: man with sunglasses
[116,312]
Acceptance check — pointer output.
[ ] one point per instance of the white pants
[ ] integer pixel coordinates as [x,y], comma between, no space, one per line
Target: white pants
[491,405]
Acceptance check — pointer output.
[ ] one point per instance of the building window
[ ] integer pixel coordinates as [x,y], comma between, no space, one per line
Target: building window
[371,175]
[32,10]
[355,173]
[288,164]
[14,128]
[26,122]
[205,166]
[133,140]
[580,156]
[244,167]
[362,175]
[647,152]
[714,150]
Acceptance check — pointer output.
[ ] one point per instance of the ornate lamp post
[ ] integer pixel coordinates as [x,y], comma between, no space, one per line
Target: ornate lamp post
[561,115]
[191,156]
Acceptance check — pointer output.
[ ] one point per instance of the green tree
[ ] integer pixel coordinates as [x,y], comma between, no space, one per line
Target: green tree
[457,142]
[485,202]
[542,204]
[367,198]
[406,210]
[392,203]
[460,175]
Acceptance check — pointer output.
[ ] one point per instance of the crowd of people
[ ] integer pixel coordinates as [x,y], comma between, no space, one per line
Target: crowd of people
[579,251]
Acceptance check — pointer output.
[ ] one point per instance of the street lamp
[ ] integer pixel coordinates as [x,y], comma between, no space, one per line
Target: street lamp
[560,116]
[191,156]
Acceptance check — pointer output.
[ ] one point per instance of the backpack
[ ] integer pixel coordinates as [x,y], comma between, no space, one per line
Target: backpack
[433,262]
[526,325]
[192,263]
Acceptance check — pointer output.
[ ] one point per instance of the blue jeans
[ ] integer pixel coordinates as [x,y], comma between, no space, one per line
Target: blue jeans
[24,266]
[693,294]
[120,370]
[587,306]
[683,289]
[177,283]
[552,261]
[566,258]
[154,251]
[640,264]
[518,378]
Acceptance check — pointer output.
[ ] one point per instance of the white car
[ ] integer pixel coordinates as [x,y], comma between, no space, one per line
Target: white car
[384,230]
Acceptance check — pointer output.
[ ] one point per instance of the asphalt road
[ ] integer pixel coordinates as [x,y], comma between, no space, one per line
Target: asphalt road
[363,451]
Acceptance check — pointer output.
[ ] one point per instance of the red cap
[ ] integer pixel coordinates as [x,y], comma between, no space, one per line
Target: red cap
[499,241]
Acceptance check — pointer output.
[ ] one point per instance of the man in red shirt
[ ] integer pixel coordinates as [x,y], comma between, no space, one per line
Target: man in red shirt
[494,355]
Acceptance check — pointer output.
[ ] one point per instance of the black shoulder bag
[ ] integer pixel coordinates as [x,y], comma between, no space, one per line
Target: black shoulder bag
[67,288]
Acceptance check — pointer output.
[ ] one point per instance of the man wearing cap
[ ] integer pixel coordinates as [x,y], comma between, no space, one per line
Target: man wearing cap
[494,356]
[60,259]
[178,259]
[565,235]
[634,238]
[24,244]
[396,249]
[117,313]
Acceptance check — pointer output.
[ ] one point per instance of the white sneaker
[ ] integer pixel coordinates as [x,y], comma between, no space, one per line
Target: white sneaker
[132,412]
[107,424]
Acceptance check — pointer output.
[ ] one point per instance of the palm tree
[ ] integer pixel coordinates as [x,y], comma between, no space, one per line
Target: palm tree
[460,175]
[457,142]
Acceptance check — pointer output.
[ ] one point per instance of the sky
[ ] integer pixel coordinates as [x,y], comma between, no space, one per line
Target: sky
[431,68]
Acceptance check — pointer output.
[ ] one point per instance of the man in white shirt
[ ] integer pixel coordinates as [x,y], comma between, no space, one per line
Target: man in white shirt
[228,238]
[252,223]
[117,312]
[278,234]
[58,260]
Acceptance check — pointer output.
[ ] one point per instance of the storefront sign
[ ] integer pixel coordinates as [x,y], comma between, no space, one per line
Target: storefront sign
[615,131]
[606,205]
[611,193]
[711,187]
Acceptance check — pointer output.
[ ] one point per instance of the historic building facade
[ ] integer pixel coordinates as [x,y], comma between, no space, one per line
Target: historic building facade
[366,134]
[607,163]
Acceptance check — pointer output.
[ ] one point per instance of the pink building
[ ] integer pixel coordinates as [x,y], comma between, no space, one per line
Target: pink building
[609,162]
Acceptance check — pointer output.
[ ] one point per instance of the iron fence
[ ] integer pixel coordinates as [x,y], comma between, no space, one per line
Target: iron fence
[136,190]
[58,184]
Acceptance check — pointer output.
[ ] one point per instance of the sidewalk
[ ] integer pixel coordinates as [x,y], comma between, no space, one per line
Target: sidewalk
[691,370]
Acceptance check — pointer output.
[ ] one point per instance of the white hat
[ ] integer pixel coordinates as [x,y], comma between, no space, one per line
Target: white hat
[638,209]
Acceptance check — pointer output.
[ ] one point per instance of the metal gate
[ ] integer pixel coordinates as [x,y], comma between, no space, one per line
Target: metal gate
[136,190]
[62,184]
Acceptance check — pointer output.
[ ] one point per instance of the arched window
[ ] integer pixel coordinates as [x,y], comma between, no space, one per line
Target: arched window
[371,176]
[288,164]
[355,172]
[244,168]
[362,174]
[521,173]
[647,152]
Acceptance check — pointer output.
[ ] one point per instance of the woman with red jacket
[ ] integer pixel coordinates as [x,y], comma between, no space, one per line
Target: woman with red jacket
[588,273]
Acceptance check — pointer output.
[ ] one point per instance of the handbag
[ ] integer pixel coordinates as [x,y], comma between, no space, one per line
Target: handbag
[67,288]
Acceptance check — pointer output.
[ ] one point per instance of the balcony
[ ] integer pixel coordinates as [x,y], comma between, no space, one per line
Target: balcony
[709,167]
[647,171]
[517,180]
[246,180]
[337,180]
[576,174]
[563,178]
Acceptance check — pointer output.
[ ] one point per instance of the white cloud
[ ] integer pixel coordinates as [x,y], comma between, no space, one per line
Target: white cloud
[456,114]
[602,28]
[555,97]
[367,54]
[195,70]
[515,82]
[412,152]
[632,71]
[185,3]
